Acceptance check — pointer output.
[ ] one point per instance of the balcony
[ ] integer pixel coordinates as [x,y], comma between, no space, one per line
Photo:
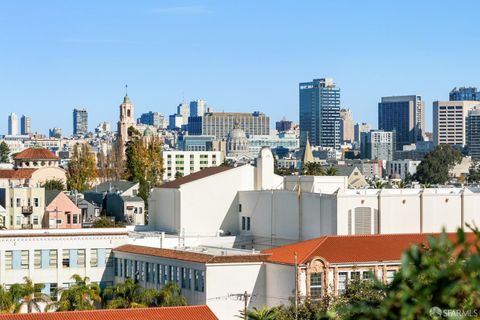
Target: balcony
[27,226]
[27,210]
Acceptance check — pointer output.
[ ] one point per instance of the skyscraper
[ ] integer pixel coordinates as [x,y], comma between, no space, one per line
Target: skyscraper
[464,94]
[360,130]
[473,134]
[25,125]
[13,124]
[379,145]
[320,113]
[449,121]
[80,121]
[405,115]
[150,118]
[198,108]
[346,125]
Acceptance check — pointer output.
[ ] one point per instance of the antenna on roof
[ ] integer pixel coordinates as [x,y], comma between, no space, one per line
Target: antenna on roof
[126,89]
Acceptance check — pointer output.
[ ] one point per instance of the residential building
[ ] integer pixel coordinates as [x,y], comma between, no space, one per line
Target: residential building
[25,207]
[449,121]
[25,125]
[154,119]
[400,169]
[320,113]
[184,163]
[354,176]
[405,115]
[219,124]
[198,108]
[347,132]
[164,313]
[464,94]
[473,134]
[80,122]
[13,124]
[371,169]
[360,130]
[203,273]
[60,211]
[379,145]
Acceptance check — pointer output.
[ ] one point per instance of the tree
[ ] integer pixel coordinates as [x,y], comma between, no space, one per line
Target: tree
[474,172]
[331,171]
[111,166]
[7,305]
[313,169]
[4,152]
[178,174]
[82,169]
[171,295]
[435,167]
[28,295]
[54,184]
[260,314]
[79,296]
[124,295]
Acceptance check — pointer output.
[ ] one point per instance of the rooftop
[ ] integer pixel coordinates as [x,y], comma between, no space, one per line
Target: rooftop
[163,313]
[175,184]
[202,254]
[349,249]
[16,173]
[112,186]
[37,154]
[63,232]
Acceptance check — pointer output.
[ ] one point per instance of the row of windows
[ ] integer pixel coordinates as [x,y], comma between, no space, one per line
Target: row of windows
[19,203]
[48,258]
[161,274]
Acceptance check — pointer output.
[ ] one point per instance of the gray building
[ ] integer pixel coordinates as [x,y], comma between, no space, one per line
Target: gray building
[473,134]
[219,124]
[80,121]
[405,115]
[198,108]
[12,124]
[151,118]
[25,125]
[464,94]
[379,145]
[319,110]
[359,131]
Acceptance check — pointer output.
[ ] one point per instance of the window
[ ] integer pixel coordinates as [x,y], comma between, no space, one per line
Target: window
[24,259]
[66,258]
[36,202]
[243,223]
[390,275]
[18,220]
[75,218]
[9,260]
[93,258]
[147,272]
[342,282]
[53,291]
[199,277]
[37,259]
[315,285]
[69,219]
[53,259]
[81,258]
[367,275]
[35,220]
[355,275]
[248,223]
[19,202]
[239,207]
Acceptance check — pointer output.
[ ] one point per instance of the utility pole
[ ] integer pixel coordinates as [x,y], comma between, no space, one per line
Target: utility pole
[245,300]
[296,286]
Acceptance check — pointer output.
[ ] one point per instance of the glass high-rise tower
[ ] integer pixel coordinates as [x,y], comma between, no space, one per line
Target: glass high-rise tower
[80,122]
[464,94]
[320,113]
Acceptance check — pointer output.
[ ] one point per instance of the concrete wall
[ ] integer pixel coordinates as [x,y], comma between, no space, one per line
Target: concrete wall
[280,284]
[164,209]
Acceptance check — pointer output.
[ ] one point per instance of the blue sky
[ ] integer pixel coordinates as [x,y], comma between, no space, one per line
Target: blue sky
[238,55]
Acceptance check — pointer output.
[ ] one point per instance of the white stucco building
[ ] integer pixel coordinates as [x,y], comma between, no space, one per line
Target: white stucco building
[188,162]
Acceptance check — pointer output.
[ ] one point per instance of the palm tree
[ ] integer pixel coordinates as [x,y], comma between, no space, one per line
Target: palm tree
[28,294]
[260,314]
[7,304]
[313,169]
[82,295]
[401,184]
[124,295]
[379,184]
[171,295]
[332,171]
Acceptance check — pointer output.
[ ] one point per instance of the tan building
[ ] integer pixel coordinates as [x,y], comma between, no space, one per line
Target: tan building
[449,121]
[24,207]
[346,125]
[127,119]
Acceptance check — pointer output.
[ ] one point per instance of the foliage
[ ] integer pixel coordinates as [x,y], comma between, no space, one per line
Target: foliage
[435,167]
[54,184]
[313,169]
[27,295]
[474,172]
[82,169]
[331,171]
[4,152]
[80,296]
[260,314]
[178,174]
[130,294]
[111,166]
[144,162]
[105,222]
[305,311]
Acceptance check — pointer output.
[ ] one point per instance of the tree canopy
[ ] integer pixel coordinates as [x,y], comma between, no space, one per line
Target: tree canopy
[82,169]
[435,167]
[4,152]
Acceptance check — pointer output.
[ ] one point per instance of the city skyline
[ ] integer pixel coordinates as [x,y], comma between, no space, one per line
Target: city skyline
[156,61]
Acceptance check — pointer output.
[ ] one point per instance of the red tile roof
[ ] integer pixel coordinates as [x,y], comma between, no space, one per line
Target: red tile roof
[36,153]
[165,313]
[175,184]
[349,249]
[190,255]
[16,173]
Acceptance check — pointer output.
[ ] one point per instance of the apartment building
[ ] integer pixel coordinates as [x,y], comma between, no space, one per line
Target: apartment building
[184,163]
[25,207]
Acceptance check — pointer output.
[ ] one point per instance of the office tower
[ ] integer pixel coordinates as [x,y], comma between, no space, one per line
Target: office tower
[379,145]
[219,124]
[150,118]
[360,130]
[464,94]
[55,133]
[175,121]
[25,125]
[346,126]
[283,125]
[405,115]
[198,108]
[473,134]
[320,113]
[449,121]
[126,120]
[13,124]
[183,109]
[80,122]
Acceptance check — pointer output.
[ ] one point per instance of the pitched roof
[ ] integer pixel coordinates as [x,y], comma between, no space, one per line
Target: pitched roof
[190,255]
[50,195]
[117,185]
[175,184]
[162,313]
[16,173]
[345,170]
[132,198]
[349,249]
[36,153]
